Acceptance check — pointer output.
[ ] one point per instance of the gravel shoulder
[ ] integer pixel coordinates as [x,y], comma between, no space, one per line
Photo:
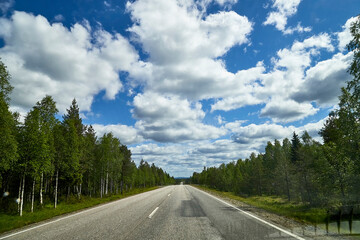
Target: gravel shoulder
[302,229]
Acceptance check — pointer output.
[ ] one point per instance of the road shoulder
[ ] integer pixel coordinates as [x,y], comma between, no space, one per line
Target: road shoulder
[296,227]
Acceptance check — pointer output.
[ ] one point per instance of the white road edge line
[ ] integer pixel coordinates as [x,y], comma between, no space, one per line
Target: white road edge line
[253,216]
[69,216]
[153,212]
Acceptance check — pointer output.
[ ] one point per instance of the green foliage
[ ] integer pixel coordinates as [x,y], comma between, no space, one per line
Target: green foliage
[63,157]
[278,205]
[5,86]
[8,143]
[320,176]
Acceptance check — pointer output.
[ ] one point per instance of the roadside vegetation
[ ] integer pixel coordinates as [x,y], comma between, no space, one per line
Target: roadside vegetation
[47,211]
[301,177]
[278,205]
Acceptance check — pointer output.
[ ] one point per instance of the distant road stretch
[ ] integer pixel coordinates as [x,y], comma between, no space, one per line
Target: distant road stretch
[173,212]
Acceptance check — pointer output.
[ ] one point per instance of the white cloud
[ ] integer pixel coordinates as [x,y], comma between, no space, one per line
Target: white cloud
[257,135]
[59,18]
[280,110]
[185,158]
[210,37]
[231,103]
[220,119]
[184,46]
[5,5]
[276,87]
[171,119]
[126,134]
[298,28]
[292,68]
[287,77]
[345,36]
[51,59]
[107,4]
[156,150]
[324,81]
[284,10]
[225,2]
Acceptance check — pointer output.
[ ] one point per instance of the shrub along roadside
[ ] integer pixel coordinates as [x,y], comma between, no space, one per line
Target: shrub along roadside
[277,205]
[9,222]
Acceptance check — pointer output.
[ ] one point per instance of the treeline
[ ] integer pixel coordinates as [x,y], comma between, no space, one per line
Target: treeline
[300,170]
[303,170]
[44,158]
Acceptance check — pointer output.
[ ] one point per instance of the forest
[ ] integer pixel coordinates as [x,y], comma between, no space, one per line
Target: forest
[303,170]
[43,159]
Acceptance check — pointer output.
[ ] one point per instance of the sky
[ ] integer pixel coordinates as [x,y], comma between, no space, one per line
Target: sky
[184,83]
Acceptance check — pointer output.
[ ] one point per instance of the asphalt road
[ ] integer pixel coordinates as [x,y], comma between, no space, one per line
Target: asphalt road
[173,212]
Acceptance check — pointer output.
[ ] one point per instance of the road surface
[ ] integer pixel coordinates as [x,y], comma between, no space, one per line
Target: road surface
[173,212]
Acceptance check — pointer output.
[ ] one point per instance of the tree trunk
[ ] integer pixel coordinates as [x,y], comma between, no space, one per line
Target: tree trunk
[46,185]
[19,198]
[80,191]
[32,196]
[56,187]
[88,185]
[287,186]
[101,187]
[41,185]
[22,195]
[121,186]
[107,183]
[68,193]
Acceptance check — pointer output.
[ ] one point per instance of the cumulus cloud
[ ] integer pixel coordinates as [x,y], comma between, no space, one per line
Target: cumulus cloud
[210,37]
[279,17]
[186,61]
[185,158]
[126,134]
[51,59]
[280,110]
[345,36]
[171,119]
[287,77]
[276,87]
[257,135]
[323,82]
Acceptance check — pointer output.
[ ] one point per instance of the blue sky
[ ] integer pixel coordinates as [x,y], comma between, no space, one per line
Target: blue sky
[183,83]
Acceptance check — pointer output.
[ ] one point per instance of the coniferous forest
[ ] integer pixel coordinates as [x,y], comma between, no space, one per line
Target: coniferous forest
[44,159]
[301,169]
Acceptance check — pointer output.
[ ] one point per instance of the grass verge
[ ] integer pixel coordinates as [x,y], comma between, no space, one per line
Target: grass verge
[9,222]
[277,205]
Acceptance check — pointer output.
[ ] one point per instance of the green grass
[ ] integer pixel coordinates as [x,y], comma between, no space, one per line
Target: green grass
[9,222]
[277,205]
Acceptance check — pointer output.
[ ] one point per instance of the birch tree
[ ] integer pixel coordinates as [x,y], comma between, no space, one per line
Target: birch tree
[8,143]
[47,110]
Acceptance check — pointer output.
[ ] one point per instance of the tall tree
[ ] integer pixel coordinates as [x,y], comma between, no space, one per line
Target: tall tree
[127,169]
[295,146]
[73,135]
[88,160]
[47,110]
[8,143]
